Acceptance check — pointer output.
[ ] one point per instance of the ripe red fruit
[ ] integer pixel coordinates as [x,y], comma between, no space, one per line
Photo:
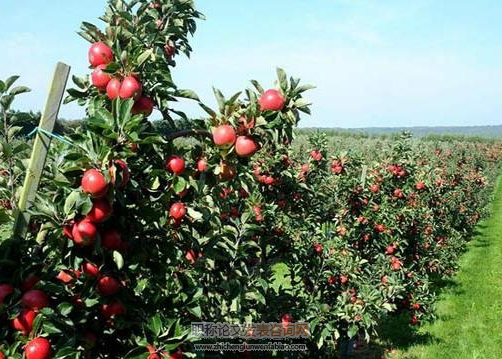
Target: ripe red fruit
[202,165]
[416,306]
[35,299]
[100,54]
[396,264]
[390,249]
[64,277]
[177,355]
[331,280]
[177,211]
[24,321]
[5,291]
[113,309]
[108,286]
[94,183]
[398,193]
[100,78]
[130,88]
[224,136]
[2,356]
[113,88]
[111,240]
[90,270]
[144,105]
[316,155]
[170,50]
[380,228]
[191,256]
[414,320]
[245,146]
[257,213]
[38,348]
[286,319]
[344,279]
[318,248]
[272,100]
[226,172]
[68,229]
[154,356]
[101,210]
[84,233]
[29,283]
[374,188]
[175,164]
[123,169]
[420,186]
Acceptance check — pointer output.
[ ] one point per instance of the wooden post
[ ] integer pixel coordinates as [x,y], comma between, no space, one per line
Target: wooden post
[40,148]
[363,175]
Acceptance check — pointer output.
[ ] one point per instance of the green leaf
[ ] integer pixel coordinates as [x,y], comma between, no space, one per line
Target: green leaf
[208,110]
[10,81]
[179,184]
[80,82]
[19,90]
[283,79]
[257,86]
[187,94]
[144,56]
[197,216]
[197,311]
[155,324]
[220,99]
[71,202]
[6,101]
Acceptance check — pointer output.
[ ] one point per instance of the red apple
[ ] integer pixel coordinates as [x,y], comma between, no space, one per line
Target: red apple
[64,277]
[112,240]
[29,283]
[202,165]
[175,164]
[101,210]
[130,88]
[108,286]
[178,354]
[84,233]
[113,309]
[224,136]
[90,270]
[35,299]
[144,106]
[226,171]
[5,291]
[100,78]
[100,54]
[245,146]
[38,348]
[24,321]
[123,169]
[94,183]
[113,88]
[272,100]
[177,211]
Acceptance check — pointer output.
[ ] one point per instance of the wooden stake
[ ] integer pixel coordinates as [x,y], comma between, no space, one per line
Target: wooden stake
[40,148]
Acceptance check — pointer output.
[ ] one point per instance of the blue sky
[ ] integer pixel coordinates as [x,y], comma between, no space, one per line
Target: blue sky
[374,62]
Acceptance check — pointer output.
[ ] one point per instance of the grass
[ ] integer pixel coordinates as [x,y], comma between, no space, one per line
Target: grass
[469,323]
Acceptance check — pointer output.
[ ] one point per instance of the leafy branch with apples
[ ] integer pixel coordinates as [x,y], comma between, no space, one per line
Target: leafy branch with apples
[138,232]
